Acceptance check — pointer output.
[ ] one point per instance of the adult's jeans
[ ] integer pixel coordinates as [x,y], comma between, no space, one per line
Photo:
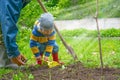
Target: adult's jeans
[9,14]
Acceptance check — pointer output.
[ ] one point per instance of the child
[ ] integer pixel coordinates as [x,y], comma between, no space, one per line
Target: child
[43,39]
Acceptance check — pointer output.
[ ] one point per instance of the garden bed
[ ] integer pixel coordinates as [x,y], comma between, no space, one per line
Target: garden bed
[72,72]
[75,72]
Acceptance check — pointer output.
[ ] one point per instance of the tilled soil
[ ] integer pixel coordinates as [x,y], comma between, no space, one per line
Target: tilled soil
[74,71]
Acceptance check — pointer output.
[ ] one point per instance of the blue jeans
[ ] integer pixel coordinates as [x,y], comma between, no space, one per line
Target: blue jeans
[43,46]
[9,14]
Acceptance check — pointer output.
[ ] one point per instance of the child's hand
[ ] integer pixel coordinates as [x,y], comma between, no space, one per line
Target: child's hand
[46,58]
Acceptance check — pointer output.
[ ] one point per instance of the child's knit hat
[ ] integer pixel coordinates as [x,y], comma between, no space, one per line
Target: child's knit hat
[46,21]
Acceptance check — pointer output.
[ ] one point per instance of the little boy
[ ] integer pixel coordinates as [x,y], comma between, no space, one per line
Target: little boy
[43,39]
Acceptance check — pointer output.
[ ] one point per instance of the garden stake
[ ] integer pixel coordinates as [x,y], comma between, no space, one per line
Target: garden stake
[69,48]
[99,38]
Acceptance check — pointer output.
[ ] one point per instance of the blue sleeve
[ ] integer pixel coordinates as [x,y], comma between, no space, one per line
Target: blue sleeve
[9,14]
[33,43]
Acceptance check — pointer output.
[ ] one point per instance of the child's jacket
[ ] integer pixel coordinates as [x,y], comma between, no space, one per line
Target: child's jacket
[37,37]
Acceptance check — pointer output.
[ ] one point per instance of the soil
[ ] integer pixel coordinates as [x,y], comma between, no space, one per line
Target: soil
[74,71]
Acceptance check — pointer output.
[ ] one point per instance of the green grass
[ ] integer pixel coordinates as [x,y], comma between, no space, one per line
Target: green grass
[87,50]
[85,44]
[15,74]
[4,71]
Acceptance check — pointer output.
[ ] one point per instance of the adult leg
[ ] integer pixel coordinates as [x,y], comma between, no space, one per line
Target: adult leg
[5,62]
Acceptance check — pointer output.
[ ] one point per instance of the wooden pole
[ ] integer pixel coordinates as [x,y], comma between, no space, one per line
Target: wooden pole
[99,38]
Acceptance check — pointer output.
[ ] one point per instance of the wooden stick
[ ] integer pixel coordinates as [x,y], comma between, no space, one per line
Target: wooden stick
[99,38]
